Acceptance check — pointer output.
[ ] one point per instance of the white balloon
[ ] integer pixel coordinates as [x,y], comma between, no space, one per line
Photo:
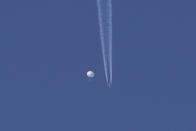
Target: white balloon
[90,74]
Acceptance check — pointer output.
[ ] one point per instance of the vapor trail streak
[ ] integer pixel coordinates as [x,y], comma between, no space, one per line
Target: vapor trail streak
[105,24]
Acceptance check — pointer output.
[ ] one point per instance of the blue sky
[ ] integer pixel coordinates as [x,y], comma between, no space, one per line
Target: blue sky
[46,48]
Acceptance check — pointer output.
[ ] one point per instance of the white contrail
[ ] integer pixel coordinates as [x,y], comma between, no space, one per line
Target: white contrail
[105,24]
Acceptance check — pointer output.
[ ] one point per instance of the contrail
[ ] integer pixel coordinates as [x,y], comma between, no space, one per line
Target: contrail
[105,25]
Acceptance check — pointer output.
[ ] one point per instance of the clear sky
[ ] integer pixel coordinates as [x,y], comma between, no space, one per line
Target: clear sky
[47,46]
